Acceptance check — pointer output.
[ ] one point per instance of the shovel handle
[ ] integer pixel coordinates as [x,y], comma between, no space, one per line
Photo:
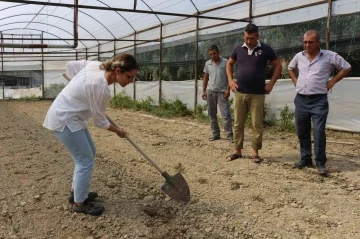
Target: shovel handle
[138,148]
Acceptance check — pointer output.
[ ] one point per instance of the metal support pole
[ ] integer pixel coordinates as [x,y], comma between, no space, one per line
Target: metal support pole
[196,63]
[2,67]
[160,64]
[114,56]
[106,8]
[75,25]
[98,52]
[42,68]
[21,54]
[85,39]
[135,57]
[250,10]
[328,22]
[86,55]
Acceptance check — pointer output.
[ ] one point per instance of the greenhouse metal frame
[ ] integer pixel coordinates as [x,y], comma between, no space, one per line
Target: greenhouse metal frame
[32,38]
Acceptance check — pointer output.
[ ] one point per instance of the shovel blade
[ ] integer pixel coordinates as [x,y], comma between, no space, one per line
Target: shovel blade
[177,188]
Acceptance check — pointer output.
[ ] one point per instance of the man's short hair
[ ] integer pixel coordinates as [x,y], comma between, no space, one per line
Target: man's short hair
[213,47]
[316,33]
[252,28]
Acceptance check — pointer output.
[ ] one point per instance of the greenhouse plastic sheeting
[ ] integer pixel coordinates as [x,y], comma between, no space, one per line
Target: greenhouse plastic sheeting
[56,22]
[344,99]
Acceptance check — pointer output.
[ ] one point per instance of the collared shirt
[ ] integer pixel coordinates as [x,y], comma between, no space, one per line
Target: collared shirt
[251,68]
[87,95]
[217,75]
[250,51]
[314,75]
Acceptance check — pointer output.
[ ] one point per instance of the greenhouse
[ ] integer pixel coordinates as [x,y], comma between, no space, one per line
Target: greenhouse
[92,150]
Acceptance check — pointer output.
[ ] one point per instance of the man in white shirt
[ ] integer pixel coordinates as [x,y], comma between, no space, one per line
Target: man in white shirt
[311,102]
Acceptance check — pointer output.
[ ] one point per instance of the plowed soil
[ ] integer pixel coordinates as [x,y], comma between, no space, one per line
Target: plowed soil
[237,199]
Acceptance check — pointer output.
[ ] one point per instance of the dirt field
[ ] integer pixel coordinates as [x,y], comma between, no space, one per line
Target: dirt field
[228,200]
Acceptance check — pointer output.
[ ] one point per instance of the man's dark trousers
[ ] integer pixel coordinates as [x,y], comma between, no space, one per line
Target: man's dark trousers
[315,108]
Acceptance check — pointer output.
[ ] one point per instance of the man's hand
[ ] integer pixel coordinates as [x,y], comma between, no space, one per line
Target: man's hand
[330,84]
[293,77]
[268,88]
[339,76]
[233,86]
[203,95]
[121,133]
[226,93]
[294,81]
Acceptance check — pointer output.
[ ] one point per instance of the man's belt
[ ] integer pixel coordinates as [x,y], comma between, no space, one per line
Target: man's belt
[311,96]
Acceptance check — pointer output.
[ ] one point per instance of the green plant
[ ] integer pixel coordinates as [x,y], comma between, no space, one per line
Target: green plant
[146,105]
[176,108]
[30,98]
[287,119]
[53,90]
[122,101]
[199,113]
[171,108]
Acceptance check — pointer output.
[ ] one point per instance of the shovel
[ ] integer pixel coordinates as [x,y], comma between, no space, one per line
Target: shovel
[175,186]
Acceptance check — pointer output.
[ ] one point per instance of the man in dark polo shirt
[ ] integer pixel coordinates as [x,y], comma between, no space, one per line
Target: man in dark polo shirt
[250,88]
[311,102]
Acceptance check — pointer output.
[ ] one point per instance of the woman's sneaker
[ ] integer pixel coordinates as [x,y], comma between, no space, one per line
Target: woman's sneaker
[88,207]
[91,196]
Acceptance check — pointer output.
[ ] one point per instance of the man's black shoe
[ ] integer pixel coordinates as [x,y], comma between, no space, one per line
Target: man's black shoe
[322,169]
[213,138]
[303,163]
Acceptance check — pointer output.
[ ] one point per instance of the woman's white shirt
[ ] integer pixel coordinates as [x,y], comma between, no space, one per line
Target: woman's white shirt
[87,95]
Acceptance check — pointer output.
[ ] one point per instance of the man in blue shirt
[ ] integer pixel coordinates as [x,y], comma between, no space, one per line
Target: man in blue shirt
[311,102]
[250,88]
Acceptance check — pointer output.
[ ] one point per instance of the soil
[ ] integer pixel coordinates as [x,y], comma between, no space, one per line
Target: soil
[237,199]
